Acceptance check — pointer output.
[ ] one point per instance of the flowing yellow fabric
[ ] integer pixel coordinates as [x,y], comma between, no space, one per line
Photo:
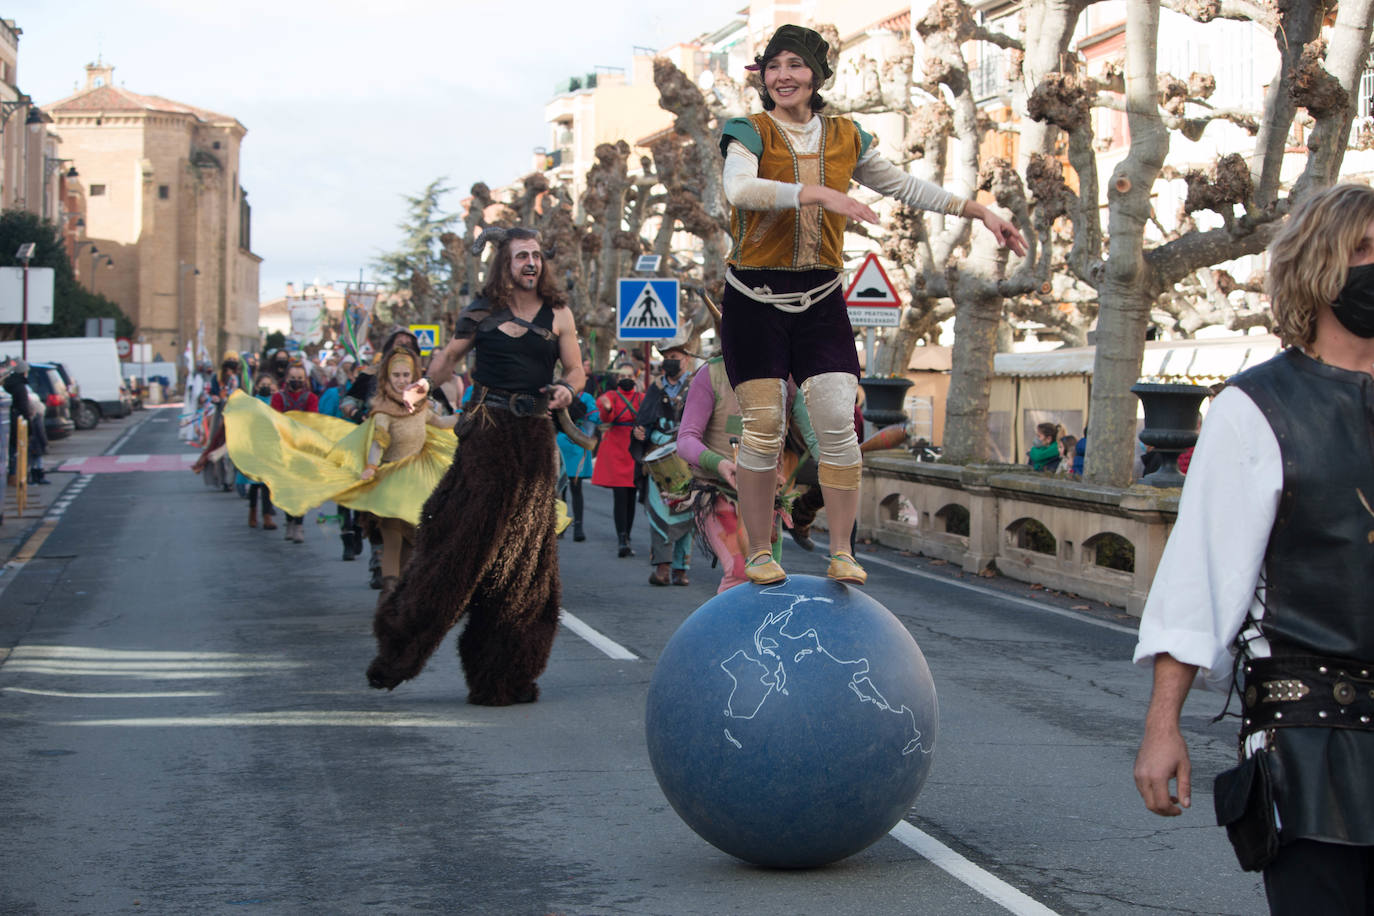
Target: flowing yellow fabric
[308,459]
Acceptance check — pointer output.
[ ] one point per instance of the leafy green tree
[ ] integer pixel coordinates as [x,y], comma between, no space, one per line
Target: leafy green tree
[419,265]
[72,302]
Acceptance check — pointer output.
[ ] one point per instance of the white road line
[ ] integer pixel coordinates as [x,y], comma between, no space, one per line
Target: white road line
[286,718]
[985,883]
[994,593]
[119,443]
[132,459]
[118,695]
[604,643]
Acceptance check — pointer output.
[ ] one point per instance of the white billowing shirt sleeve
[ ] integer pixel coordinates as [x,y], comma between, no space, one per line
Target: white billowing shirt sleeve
[1206,582]
[745,190]
[883,176]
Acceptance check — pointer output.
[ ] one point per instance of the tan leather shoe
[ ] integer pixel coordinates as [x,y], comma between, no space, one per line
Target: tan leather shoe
[844,568]
[762,569]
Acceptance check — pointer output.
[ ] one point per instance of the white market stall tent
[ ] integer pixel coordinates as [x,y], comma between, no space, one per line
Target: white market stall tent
[1055,386]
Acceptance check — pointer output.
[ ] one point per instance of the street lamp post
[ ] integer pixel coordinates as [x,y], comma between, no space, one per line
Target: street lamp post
[76,253]
[25,254]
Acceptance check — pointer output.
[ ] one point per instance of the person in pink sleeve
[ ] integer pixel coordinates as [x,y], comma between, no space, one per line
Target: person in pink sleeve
[707,440]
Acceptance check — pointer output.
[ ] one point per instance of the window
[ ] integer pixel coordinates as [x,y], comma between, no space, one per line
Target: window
[215,145]
[97,190]
[163,192]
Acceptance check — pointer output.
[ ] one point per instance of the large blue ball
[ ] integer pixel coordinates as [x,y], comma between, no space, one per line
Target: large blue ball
[792,725]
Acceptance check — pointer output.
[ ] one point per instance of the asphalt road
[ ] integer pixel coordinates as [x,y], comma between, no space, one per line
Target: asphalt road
[185,728]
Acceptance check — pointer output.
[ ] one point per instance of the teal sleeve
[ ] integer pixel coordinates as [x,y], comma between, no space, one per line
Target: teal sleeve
[866,140]
[803,421]
[743,130]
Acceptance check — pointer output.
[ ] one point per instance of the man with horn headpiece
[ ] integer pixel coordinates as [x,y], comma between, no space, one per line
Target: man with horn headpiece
[486,545]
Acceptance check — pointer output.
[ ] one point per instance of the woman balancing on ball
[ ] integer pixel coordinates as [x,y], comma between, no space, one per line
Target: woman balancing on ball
[787,171]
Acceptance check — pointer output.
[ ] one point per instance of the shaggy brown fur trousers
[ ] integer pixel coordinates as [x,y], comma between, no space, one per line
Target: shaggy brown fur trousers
[486,547]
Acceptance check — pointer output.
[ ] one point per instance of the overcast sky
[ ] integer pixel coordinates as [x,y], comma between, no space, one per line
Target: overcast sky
[349,105]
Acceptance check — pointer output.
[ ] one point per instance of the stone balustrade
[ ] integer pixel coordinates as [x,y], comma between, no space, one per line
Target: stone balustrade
[1100,542]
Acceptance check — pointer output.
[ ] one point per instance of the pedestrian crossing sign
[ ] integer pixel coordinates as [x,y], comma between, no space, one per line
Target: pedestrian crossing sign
[646,309]
[427,336]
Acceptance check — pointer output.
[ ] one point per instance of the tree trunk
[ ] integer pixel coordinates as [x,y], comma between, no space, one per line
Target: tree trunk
[976,319]
[1126,290]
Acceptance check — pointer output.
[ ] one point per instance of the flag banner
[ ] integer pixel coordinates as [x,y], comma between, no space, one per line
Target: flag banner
[358,307]
[307,320]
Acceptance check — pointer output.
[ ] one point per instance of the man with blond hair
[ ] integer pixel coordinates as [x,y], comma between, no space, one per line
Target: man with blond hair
[1267,577]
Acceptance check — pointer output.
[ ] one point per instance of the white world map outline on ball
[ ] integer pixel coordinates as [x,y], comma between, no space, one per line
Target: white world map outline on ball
[773,678]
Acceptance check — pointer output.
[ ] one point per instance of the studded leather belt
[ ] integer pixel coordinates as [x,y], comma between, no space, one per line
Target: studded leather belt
[1307,692]
[518,403]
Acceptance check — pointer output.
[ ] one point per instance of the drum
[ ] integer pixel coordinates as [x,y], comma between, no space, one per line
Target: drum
[668,468]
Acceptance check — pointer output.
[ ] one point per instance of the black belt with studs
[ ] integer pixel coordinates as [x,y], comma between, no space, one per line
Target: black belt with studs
[1307,692]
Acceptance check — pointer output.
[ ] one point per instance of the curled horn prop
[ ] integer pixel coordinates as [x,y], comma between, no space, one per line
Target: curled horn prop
[493,234]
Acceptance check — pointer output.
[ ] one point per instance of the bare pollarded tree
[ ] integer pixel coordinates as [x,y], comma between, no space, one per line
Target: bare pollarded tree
[1133,275]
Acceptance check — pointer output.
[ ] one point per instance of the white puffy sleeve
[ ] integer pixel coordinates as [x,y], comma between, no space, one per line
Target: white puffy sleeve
[1206,582]
[883,176]
[745,190]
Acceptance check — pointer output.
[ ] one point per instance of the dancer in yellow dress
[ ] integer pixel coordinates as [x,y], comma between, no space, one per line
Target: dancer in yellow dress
[387,466]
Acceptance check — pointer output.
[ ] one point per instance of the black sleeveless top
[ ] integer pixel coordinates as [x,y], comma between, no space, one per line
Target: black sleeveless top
[523,363]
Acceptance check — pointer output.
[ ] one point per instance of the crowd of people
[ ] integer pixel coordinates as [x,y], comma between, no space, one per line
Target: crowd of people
[455,476]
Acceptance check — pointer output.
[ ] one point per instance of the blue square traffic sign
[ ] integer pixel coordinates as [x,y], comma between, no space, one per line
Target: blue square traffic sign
[646,309]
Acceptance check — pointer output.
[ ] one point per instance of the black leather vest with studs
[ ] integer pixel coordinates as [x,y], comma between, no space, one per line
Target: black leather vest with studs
[1319,565]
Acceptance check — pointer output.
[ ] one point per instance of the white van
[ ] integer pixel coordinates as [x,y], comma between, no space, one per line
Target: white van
[92,362]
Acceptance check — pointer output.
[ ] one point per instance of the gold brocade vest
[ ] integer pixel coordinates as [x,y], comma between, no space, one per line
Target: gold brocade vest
[807,237]
[726,422]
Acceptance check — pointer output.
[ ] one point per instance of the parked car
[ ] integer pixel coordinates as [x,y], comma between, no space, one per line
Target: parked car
[57,415]
[85,414]
[94,363]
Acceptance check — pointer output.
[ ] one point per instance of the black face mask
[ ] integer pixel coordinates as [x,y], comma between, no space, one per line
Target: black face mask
[264,392]
[295,384]
[1354,305]
[626,384]
[671,367]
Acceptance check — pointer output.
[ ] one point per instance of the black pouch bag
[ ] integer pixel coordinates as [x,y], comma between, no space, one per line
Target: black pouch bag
[1244,800]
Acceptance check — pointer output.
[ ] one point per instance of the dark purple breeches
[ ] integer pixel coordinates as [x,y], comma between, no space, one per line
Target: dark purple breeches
[761,341]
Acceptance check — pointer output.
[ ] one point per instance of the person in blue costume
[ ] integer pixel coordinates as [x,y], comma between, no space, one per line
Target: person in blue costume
[578,461]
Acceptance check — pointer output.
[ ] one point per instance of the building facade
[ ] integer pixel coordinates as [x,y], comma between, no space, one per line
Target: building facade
[158,184]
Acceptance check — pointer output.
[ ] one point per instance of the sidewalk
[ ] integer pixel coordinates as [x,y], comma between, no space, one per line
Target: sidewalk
[15,530]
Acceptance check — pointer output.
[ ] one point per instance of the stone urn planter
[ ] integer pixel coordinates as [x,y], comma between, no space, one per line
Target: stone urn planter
[883,400]
[1171,421]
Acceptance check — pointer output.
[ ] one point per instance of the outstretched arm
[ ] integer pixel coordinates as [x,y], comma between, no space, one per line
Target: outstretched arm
[1008,236]
[442,366]
[440,371]
[883,176]
[1163,755]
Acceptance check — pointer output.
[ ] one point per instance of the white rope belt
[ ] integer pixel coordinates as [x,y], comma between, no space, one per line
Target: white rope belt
[786,302]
